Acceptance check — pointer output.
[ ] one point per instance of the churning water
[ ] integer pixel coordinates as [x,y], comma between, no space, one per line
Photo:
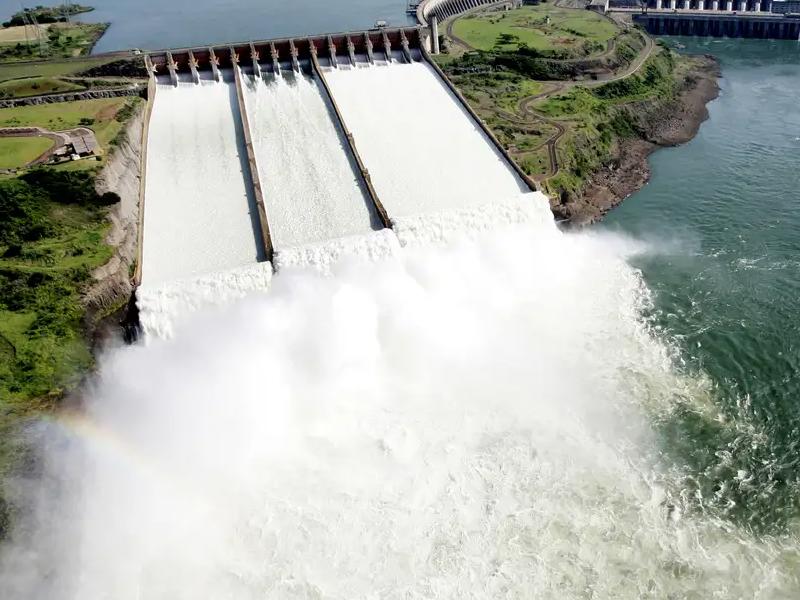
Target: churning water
[494,414]
[311,186]
[199,216]
[470,420]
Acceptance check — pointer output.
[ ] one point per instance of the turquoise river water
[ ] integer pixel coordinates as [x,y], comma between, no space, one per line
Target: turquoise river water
[721,218]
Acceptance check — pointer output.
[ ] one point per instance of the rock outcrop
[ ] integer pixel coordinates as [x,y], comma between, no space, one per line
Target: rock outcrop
[121,175]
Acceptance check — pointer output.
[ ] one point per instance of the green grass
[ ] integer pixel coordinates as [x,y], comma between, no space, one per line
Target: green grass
[16,152]
[104,112]
[568,30]
[598,118]
[61,115]
[52,68]
[51,238]
[63,41]
[34,86]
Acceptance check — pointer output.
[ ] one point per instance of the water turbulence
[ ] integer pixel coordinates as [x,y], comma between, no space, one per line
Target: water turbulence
[195,130]
[311,187]
[422,150]
[475,414]
[201,241]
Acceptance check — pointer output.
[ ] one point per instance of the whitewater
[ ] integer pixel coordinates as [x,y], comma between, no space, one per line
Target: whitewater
[470,418]
[472,404]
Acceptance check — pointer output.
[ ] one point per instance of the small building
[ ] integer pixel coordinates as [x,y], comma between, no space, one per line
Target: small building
[83,145]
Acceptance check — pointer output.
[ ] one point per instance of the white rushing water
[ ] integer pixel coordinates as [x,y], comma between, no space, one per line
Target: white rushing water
[198,215]
[423,151]
[311,187]
[466,406]
[470,420]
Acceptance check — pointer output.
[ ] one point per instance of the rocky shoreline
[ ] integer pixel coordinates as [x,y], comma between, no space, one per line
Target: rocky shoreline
[661,124]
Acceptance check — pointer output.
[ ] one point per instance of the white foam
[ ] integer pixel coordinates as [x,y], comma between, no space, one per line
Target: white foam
[471,421]
[312,190]
[446,226]
[164,306]
[374,246]
[423,151]
[198,217]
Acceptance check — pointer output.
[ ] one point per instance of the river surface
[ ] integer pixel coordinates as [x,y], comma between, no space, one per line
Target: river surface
[153,24]
[721,216]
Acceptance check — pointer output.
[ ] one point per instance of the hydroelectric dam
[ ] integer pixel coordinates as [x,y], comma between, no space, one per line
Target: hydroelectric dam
[298,152]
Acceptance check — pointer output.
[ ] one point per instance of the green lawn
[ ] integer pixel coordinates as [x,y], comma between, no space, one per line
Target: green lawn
[60,40]
[568,30]
[17,152]
[49,68]
[66,115]
[33,86]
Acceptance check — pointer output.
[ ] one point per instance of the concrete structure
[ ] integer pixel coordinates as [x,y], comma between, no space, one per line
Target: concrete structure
[315,56]
[740,6]
[755,25]
[447,9]
[285,52]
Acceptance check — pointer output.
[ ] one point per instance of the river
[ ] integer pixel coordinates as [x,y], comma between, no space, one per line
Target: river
[721,217]
[153,24]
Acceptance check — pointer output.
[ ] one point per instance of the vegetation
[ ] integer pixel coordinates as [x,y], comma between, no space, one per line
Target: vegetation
[46,14]
[19,151]
[58,40]
[52,230]
[557,32]
[105,116]
[600,117]
[34,86]
[519,52]
[50,68]
[52,226]
[544,66]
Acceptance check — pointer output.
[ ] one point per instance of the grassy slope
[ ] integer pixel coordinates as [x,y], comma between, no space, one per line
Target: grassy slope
[52,232]
[491,95]
[63,40]
[598,118]
[568,29]
[34,86]
[104,114]
[18,152]
[49,68]
[46,257]
[21,33]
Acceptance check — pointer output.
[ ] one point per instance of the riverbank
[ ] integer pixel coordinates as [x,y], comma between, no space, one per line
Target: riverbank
[658,123]
[581,125]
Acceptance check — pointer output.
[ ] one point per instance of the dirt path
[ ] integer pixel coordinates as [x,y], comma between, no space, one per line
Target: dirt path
[530,116]
[59,139]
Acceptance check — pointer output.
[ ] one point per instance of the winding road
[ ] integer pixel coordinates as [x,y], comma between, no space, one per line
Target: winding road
[528,116]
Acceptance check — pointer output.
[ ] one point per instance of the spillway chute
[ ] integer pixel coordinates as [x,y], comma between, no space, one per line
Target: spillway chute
[313,149]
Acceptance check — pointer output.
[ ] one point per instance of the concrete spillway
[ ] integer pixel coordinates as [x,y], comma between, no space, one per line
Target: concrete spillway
[199,214]
[341,137]
[311,185]
[422,149]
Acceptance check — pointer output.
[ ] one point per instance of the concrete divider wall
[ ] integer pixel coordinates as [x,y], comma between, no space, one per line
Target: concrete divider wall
[266,237]
[373,194]
[151,96]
